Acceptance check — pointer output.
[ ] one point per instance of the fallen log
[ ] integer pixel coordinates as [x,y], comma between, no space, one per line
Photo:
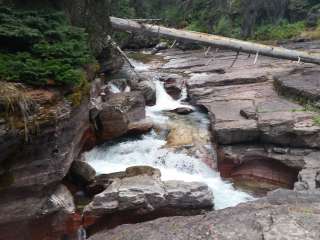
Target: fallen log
[214,40]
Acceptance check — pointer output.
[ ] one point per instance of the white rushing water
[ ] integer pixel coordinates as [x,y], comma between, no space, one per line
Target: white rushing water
[149,150]
[114,88]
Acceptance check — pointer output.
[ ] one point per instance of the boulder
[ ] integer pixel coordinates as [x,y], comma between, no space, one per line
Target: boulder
[142,194]
[118,112]
[101,182]
[173,84]
[140,127]
[280,215]
[143,170]
[183,110]
[81,172]
[148,90]
[173,89]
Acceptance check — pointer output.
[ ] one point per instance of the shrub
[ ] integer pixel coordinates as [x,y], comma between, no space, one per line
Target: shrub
[283,30]
[41,48]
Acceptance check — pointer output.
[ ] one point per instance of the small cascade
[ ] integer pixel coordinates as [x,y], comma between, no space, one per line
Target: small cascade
[150,149]
[114,88]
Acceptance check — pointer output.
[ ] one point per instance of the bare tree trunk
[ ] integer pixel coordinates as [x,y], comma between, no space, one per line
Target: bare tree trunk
[223,42]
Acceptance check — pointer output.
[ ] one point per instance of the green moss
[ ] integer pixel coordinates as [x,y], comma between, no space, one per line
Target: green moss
[40,48]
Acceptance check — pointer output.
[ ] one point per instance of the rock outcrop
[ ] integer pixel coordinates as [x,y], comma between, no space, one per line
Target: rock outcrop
[38,215]
[140,194]
[31,170]
[281,215]
[173,84]
[147,88]
[261,134]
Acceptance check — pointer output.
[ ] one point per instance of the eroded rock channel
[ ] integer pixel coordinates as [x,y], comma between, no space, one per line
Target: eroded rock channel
[234,122]
[183,147]
[210,130]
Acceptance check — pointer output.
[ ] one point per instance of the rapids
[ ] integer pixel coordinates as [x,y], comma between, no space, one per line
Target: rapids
[150,150]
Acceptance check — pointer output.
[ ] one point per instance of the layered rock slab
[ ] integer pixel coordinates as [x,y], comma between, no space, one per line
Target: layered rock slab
[139,193]
[245,109]
[281,215]
[38,216]
[303,84]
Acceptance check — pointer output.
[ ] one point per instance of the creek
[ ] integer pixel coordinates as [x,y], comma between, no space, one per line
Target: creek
[153,149]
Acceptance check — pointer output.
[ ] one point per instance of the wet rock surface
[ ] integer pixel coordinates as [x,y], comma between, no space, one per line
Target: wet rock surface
[139,193]
[281,215]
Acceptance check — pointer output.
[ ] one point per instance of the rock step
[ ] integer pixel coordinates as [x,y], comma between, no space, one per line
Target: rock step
[281,215]
[139,193]
[303,85]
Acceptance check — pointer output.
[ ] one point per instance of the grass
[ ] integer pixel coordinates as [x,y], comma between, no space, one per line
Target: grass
[15,104]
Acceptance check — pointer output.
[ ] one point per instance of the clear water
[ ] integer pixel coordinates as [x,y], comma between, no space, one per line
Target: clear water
[149,150]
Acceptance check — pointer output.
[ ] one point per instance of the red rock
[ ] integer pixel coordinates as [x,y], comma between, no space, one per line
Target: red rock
[89,139]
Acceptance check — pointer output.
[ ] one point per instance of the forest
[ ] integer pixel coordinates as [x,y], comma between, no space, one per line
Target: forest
[258,19]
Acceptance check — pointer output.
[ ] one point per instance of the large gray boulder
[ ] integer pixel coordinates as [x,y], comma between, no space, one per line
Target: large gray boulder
[141,193]
[118,112]
[148,90]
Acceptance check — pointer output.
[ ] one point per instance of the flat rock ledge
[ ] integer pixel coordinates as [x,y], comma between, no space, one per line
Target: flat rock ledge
[283,214]
[139,194]
[300,85]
